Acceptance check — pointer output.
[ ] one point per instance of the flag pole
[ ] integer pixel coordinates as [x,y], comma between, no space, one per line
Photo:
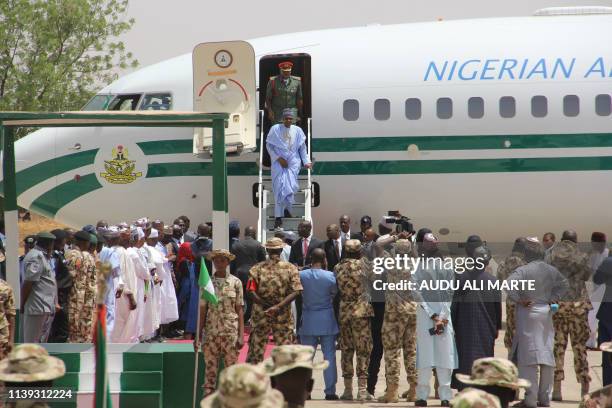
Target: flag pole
[197,351]
[102,398]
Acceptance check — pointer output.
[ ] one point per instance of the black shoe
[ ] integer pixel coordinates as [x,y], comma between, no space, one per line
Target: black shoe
[288,214]
[331,397]
[278,222]
[420,403]
[445,403]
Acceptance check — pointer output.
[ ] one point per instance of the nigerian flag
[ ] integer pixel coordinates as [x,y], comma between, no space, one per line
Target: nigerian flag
[205,283]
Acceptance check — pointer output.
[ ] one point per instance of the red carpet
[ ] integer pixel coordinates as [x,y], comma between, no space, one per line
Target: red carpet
[243,351]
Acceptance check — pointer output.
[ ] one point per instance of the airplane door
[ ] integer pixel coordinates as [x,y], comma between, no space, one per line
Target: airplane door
[268,68]
[224,81]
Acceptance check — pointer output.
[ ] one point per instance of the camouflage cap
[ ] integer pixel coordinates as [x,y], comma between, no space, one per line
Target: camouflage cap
[494,371]
[288,357]
[220,252]
[30,363]
[607,346]
[403,246]
[352,246]
[601,398]
[473,398]
[275,243]
[244,386]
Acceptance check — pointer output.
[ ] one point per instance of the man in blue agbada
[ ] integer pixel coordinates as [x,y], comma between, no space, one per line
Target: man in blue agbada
[286,144]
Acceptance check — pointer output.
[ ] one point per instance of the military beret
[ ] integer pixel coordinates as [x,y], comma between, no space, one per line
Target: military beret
[82,236]
[366,219]
[598,237]
[59,233]
[30,239]
[285,65]
[45,235]
[93,239]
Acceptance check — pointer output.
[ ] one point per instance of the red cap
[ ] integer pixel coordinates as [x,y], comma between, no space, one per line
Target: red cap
[285,65]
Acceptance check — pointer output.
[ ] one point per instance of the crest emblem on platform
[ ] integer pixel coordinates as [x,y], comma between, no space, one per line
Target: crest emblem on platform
[120,169]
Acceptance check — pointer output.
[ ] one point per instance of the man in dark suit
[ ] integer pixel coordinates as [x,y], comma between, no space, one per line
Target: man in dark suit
[301,250]
[333,246]
[248,252]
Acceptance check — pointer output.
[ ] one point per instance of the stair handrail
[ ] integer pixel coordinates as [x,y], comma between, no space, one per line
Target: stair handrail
[260,220]
[308,194]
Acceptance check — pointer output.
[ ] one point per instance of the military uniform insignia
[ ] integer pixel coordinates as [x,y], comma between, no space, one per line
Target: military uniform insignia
[120,170]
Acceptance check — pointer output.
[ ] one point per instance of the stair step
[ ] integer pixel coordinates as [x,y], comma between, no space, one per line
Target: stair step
[299,197]
[289,224]
[298,210]
[303,184]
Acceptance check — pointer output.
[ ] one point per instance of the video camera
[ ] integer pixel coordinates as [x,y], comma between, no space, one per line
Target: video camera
[402,223]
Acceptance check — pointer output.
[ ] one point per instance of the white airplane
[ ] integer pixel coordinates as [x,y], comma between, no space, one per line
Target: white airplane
[500,127]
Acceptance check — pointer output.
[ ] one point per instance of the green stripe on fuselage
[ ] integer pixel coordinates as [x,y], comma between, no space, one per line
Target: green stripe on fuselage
[55,199]
[335,168]
[33,175]
[401,143]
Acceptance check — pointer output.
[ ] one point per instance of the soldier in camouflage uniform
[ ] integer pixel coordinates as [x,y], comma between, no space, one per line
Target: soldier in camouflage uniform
[572,318]
[504,270]
[29,365]
[223,322]
[399,329]
[497,376]
[353,275]
[244,385]
[7,319]
[91,290]
[474,398]
[80,266]
[283,91]
[273,285]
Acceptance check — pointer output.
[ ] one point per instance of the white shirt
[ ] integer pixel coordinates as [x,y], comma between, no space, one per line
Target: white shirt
[345,235]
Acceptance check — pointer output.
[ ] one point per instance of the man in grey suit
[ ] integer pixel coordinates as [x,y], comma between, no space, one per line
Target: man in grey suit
[248,252]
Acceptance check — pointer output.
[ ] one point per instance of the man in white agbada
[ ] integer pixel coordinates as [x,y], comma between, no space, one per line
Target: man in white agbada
[286,144]
[126,315]
[435,334]
[599,252]
[157,262]
[108,255]
[142,274]
[169,310]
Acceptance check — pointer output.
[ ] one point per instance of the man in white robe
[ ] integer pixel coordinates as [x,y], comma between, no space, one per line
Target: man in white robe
[169,311]
[109,256]
[126,316]
[156,262]
[142,274]
[286,144]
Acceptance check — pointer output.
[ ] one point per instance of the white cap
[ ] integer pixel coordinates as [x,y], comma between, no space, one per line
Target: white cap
[154,233]
[384,223]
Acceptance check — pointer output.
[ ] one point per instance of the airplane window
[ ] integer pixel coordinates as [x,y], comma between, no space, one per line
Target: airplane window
[350,109]
[413,108]
[539,106]
[382,109]
[127,102]
[98,103]
[571,105]
[157,101]
[603,105]
[476,107]
[507,107]
[445,108]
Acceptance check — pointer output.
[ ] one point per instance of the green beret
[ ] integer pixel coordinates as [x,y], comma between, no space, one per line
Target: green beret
[93,239]
[45,235]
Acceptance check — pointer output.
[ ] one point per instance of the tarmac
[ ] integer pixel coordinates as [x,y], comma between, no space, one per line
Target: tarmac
[570,390]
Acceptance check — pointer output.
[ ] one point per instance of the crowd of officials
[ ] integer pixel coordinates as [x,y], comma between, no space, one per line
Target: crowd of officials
[299,289]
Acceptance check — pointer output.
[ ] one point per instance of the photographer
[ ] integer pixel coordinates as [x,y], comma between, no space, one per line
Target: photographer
[435,334]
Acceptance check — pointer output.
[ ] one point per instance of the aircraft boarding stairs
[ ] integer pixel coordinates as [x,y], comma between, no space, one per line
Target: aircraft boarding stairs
[303,197]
